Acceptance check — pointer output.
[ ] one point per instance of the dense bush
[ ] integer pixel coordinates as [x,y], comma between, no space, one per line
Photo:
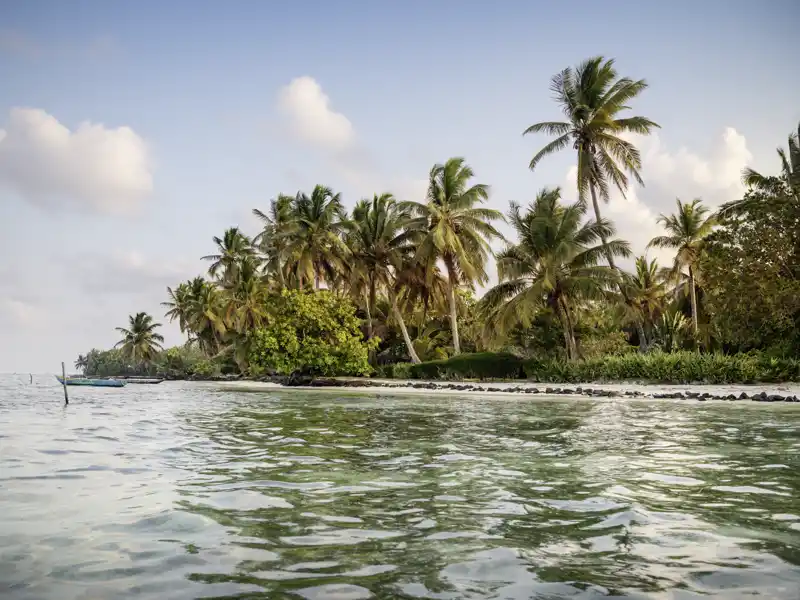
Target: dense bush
[482,365]
[679,367]
[313,333]
[175,363]
[394,371]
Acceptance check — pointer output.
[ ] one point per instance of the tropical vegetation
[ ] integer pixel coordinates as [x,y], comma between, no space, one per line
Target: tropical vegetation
[398,287]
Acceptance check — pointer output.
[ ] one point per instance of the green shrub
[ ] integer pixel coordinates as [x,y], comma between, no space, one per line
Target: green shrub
[678,367]
[313,333]
[481,365]
[394,371]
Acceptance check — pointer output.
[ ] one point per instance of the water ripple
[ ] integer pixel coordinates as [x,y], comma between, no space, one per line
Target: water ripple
[183,491]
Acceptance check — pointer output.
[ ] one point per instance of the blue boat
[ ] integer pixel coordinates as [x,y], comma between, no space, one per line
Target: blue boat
[116,383]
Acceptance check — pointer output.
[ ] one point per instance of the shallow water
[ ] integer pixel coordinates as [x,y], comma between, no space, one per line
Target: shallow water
[192,491]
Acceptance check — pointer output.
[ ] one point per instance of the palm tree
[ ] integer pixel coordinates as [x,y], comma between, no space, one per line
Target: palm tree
[205,319]
[451,227]
[230,248]
[179,304]
[686,230]
[82,362]
[271,242]
[312,237]
[140,342]
[645,289]
[592,96]
[553,266]
[379,245]
[246,297]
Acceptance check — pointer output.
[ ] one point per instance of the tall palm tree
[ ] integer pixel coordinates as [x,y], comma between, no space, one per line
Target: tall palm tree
[140,342]
[271,241]
[686,230]
[646,289]
[592,96]
[379,245]
[451,227]
[313,237]
[554,265]
[230,248]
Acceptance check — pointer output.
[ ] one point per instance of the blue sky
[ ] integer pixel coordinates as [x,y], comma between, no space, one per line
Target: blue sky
[134,132]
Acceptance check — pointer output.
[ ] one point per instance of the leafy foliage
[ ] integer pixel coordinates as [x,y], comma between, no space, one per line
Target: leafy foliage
[661,367]
[483,365]
[311,333]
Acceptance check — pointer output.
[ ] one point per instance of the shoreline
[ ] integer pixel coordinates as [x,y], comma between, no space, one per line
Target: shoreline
[731,392]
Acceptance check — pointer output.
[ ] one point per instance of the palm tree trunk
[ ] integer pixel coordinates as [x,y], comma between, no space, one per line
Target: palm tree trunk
[693,301]
[402,324]
[570,329]
[451,298]
[565,327]
[370,305]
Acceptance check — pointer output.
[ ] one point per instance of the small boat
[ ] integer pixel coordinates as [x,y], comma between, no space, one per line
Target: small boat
[149,380]
[92,382]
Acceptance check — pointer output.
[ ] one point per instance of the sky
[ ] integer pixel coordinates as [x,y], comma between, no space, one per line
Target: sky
[131,133]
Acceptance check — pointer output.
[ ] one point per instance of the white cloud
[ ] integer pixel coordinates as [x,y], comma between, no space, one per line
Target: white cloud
[91,168]
[311,117]
[669,175]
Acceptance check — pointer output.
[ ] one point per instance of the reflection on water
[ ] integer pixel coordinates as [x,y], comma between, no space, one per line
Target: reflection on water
[189,491]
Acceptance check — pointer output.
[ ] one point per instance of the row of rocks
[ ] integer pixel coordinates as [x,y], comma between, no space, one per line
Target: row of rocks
[567,391]
[308,381]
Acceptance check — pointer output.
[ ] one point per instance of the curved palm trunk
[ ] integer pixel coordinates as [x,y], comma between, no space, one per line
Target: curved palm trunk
[402,324]
[451,299]
[639,328]
[569,331]
[693,302]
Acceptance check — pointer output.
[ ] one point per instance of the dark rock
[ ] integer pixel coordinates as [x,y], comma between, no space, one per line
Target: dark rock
[567,391]
[548,390]
[743,396]
[775,398]
[692,395]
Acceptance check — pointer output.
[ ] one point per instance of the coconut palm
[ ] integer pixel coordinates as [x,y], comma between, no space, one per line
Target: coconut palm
[379,244]
[245,297]
[646,290]
[553,266]
[592,96]
[179,304]
[140,342]
[271,241]
[206,315]
[313,236]
[686,231]
[230,248]
[451,227]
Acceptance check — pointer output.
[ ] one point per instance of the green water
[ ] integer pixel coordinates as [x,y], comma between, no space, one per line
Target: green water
[191,491]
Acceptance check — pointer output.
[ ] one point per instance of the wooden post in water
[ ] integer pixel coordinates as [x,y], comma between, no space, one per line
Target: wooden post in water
[64,382]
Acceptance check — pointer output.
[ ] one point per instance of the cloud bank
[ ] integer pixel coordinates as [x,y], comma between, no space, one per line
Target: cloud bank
[92,168]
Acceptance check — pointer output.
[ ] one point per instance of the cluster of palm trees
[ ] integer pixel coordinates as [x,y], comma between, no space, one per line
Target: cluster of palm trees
[383,249]
[399,259]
